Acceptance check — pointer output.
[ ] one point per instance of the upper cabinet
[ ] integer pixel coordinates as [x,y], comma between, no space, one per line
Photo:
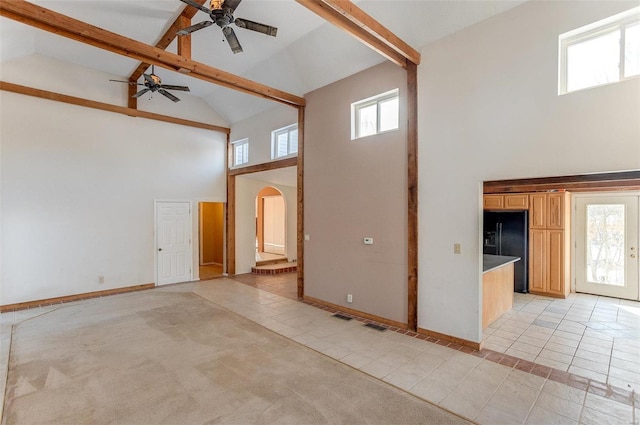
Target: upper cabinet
[538,211]
[518,201]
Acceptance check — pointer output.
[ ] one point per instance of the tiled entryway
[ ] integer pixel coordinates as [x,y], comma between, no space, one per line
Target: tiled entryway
[587,335]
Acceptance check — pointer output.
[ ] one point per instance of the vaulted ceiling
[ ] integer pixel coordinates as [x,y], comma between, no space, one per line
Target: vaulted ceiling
[307,53]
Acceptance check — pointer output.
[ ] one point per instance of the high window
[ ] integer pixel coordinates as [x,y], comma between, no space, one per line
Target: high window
[604,52]
[284,141]
[375,115]
[240,152]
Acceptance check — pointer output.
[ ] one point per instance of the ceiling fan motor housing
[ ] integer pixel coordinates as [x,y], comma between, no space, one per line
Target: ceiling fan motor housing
[222,18]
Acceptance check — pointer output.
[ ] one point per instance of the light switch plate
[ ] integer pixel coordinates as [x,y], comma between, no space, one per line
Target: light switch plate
[456,248]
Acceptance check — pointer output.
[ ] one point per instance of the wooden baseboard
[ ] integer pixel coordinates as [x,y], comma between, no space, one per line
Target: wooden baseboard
[356,312]
[68,298]
[438,335]
[546,294]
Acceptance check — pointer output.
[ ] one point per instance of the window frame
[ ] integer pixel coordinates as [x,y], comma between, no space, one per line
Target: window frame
[597,29]
[274,141]
[365,103]
[245,144]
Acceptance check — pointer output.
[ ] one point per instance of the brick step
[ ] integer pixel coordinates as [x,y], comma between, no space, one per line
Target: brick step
[275,268]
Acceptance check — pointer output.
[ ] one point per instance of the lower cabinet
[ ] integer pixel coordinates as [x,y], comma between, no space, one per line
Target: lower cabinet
[548,265]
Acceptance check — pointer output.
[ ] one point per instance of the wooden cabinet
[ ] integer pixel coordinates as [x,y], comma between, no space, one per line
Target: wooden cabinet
[519,201]
[538,211]
[493,202]
[537,260]
[549,244]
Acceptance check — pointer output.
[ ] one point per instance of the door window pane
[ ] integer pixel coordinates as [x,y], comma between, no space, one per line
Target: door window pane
[605,244]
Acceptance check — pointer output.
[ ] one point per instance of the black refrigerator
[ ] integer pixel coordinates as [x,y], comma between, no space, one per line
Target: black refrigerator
[507,233]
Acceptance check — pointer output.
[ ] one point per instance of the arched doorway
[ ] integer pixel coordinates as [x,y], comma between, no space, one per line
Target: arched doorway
[270,226]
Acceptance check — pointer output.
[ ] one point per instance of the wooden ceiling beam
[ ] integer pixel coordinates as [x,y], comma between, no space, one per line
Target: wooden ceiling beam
[169,36]
[48,20]
[351,18]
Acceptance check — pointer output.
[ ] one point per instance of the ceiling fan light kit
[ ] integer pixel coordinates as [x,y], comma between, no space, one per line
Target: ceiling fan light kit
[153,83]
[221,14]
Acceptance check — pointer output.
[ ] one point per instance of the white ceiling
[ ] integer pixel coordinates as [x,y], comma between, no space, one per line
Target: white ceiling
[308,53]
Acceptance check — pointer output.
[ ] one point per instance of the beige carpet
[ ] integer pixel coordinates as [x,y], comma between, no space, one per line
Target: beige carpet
[156,357]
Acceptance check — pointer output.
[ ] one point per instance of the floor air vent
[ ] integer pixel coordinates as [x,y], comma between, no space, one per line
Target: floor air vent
[341,316]
[376,327]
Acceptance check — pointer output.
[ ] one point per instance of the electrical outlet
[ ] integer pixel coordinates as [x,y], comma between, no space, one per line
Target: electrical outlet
[349,298]
[100,279]
[456,248]
[307,237]
[368,241]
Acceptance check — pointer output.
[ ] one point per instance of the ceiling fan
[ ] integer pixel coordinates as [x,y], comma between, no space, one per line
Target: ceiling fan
[221,13]
[153,83]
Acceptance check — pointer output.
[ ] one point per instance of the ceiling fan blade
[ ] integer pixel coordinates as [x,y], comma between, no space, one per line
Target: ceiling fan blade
[169,95]
[196,5]
[256,26]
[231,4]
[140,93]
[230,35]
[170,87]
[128,82]
[196,27]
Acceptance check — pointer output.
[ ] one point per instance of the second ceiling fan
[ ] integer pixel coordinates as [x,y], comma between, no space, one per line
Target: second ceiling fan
[221,13]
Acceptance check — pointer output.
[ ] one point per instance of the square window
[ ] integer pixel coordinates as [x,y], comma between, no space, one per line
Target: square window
[604,52]
[240,152]
[375,115]
[284,141]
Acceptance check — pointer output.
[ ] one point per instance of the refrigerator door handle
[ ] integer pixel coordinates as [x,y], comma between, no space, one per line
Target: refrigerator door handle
[499,238]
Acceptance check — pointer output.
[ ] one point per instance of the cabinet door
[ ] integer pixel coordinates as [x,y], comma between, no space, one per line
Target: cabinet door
[555,262]
[537,260]
[493,202]
[516,202]
[537,211]
[555,211]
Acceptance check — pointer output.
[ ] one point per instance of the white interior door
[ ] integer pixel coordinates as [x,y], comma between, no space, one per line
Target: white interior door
[607,245]
[274,221]
[173,233]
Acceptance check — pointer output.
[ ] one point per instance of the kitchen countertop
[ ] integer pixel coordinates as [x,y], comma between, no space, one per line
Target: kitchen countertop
[492,262]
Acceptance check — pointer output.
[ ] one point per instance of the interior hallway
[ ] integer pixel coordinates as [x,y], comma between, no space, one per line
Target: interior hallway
[476,385]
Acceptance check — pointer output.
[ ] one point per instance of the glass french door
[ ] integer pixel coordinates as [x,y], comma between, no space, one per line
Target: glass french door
[606,254]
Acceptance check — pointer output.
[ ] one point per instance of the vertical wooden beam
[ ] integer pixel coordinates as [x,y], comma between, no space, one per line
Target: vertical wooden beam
[412,166]
[231,213]
[184,42]
[132,102]
[300,223]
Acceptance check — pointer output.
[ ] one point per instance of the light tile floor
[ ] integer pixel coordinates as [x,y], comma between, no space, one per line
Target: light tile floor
[591,336]
[466,384]
[471,386]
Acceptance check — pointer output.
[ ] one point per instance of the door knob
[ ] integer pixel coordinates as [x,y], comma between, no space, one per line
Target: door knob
[159,249]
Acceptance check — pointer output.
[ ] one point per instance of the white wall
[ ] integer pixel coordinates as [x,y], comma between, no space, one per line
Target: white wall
[489,109]
[78,185]
[258,130]
[247,190]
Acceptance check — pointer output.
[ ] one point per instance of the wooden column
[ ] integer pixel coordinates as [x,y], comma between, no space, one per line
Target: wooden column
[184,42]
[300,223]
[132,102]
[412,180]
[231,213]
